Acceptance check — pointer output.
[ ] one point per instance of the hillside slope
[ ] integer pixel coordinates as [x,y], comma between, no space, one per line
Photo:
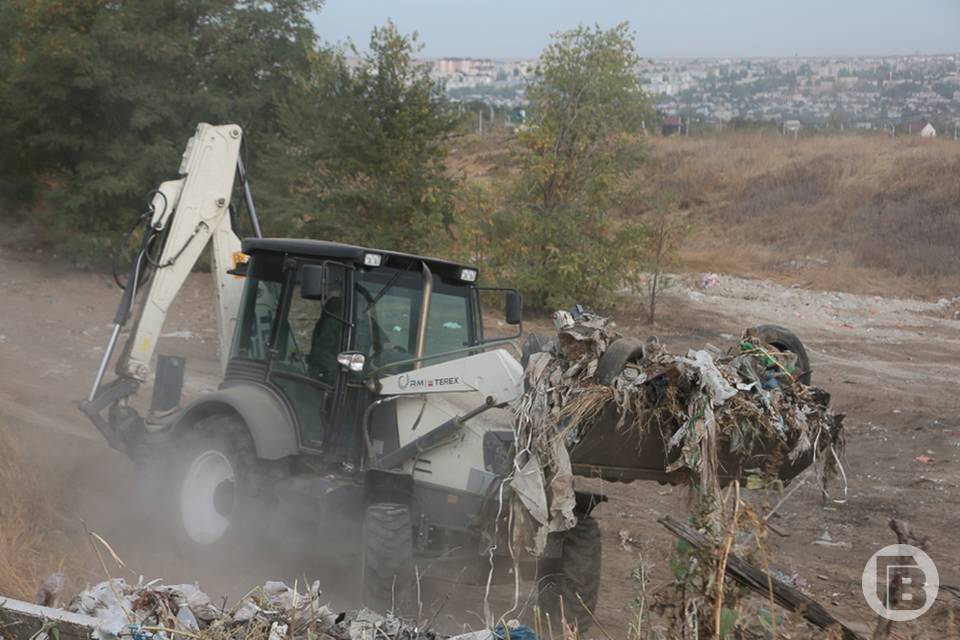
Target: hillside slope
[860,213]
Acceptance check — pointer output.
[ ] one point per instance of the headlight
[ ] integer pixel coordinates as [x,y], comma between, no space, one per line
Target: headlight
[372,259]
[468,275]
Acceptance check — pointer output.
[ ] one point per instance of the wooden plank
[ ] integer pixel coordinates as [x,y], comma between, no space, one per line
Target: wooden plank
[759,581]
[22,620]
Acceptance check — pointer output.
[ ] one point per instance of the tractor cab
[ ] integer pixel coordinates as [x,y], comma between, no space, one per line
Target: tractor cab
[320,322]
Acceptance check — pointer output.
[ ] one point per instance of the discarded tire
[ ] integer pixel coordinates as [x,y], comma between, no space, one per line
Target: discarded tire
[575,580]
[387,556]
[219,485]
[786,340]
[615,358]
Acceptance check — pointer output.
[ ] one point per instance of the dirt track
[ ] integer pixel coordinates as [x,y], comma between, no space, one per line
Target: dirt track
[892,365]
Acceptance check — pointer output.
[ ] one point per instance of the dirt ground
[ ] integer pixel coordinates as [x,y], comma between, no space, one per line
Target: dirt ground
[891,364]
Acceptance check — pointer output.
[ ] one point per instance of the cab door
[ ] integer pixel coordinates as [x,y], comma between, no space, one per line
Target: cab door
[304,367]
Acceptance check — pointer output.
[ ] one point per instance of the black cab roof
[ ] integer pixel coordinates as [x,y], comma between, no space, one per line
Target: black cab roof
[341,252]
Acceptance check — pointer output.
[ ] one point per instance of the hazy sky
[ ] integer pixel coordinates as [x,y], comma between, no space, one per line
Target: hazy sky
[665,28]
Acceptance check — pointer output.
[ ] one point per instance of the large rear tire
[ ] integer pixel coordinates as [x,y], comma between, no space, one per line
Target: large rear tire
[576,578]
[219,489]
[387,557]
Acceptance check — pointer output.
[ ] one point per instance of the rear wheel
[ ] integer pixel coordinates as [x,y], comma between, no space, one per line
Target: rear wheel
[387,557]
[219,494]
[575,579]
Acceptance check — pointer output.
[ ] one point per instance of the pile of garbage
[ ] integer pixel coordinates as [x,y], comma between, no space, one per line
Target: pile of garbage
[707,411]
[275,611]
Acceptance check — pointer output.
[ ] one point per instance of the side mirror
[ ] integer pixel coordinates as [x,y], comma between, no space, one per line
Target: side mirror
[351,361]
[514,308]
[313,282]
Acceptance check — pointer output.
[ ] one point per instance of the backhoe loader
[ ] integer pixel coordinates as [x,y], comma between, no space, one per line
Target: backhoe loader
[359,392]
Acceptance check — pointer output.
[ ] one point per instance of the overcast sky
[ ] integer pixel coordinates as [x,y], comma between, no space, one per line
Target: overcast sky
[665,28]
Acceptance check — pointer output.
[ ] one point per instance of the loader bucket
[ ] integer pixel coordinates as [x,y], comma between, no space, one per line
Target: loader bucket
[624,455]
[630,410]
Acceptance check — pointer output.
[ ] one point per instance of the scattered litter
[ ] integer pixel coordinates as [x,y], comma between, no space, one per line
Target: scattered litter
[515,632]
[710,280]
[924,459]
[627,543]
[155,611]
[795,580]
[826,541]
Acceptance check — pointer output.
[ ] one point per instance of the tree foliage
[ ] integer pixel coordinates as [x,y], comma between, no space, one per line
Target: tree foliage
[97,100]
[374,170]
[99,97]
[577,157]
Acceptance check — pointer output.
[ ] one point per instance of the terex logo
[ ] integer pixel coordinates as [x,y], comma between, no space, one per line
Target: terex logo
[406,382]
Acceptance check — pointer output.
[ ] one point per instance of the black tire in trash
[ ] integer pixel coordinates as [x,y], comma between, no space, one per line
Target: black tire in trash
[387,557]
[219,486]
[575,578]
[786,340]
[616,357]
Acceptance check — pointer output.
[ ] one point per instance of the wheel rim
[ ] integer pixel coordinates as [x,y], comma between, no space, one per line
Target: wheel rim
[207,497]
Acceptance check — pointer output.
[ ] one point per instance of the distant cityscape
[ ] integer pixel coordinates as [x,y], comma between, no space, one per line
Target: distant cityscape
[889,93]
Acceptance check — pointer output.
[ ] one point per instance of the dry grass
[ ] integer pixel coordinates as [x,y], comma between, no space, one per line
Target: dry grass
[32,545]
[849,212]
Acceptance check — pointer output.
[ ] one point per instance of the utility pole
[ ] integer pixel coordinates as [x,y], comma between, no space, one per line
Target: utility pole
[480,122]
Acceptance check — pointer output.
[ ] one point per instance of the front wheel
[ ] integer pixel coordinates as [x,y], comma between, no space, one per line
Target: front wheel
[387,556]
[573,587]
[219,489]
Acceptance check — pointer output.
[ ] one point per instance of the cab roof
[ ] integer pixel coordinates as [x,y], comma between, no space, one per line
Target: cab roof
[341,252]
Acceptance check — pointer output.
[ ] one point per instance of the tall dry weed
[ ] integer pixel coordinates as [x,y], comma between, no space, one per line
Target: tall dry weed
[31,544]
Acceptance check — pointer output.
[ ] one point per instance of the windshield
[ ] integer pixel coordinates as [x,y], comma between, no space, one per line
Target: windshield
[388,310]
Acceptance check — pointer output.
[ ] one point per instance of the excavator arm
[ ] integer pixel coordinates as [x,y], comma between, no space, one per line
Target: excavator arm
[185,216]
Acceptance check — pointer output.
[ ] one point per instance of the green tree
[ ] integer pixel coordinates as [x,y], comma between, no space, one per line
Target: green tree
[576,159]
[98,98]
[374,169]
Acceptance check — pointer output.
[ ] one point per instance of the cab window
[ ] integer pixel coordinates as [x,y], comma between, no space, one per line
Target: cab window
[448,326]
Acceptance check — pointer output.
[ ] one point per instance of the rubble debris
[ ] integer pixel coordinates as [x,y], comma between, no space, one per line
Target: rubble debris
[115,609]
[709,280]
[747,404]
